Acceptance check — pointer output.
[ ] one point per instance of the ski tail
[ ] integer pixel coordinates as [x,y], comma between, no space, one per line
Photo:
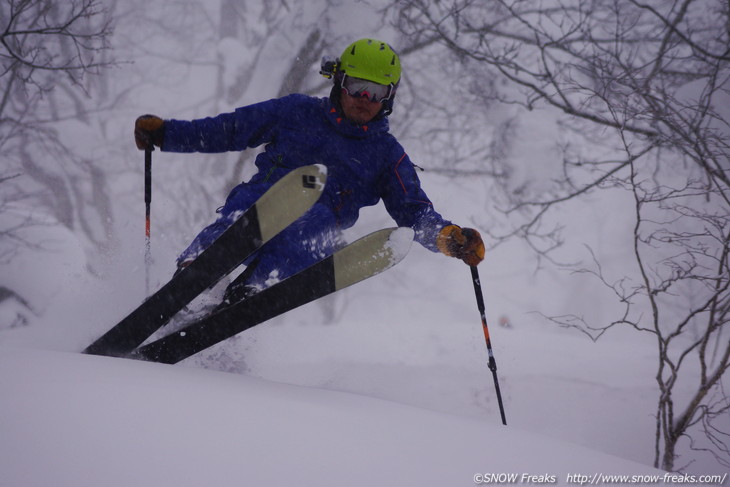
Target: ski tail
[283,203]
[356,262]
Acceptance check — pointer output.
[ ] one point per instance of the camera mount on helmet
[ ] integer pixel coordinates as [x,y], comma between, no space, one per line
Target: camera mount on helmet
[329,66]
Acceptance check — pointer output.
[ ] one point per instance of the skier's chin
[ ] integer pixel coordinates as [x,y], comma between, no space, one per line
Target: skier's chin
[360,119]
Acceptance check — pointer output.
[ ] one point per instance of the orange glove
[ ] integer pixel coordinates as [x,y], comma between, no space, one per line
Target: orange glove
[149,131]
[463,243]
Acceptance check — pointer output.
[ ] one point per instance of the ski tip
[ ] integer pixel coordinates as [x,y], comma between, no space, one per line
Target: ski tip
[399,243]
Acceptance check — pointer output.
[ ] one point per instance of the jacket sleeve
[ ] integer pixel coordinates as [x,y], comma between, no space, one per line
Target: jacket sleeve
[408,204]
[248,126]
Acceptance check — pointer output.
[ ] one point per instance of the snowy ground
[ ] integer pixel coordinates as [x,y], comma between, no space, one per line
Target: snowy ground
[395,390]
[74,420]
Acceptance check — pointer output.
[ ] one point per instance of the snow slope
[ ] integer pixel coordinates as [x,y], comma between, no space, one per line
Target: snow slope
[388,382]
[72,420]
[393,384]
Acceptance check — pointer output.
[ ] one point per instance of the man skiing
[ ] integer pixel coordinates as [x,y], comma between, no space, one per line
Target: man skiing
[348,133]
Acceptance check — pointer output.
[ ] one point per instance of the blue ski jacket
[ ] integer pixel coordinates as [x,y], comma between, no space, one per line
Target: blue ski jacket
[365,163]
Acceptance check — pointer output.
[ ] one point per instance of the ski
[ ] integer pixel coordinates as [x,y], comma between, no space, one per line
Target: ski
[360,260]
[282,204]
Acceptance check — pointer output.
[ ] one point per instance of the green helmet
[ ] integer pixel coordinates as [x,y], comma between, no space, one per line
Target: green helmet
[371,60]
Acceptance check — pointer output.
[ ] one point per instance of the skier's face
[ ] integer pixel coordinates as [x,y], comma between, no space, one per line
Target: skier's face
[360,109]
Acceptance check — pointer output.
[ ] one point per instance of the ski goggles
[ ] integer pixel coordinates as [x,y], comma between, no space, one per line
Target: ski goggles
[357,87]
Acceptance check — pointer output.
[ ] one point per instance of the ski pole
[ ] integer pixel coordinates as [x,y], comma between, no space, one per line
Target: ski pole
[492,363]
[148,204]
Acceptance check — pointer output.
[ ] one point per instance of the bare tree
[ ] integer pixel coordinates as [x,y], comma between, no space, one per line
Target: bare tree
[645,82]
[47,51]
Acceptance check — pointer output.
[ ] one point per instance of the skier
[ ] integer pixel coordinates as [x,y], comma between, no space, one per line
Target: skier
[348,133]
